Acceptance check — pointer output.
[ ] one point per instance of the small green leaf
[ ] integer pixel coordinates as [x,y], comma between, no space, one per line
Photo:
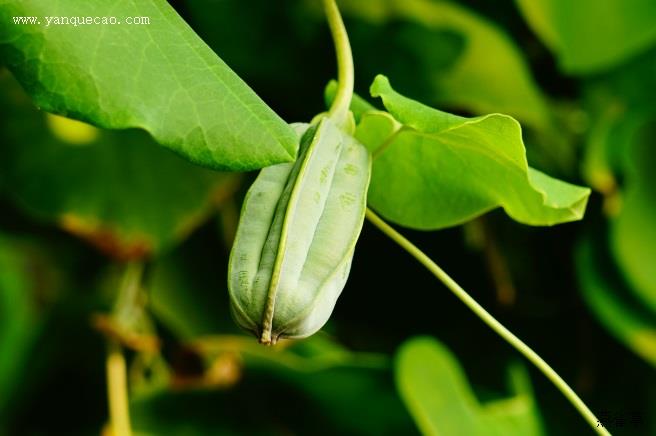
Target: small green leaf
[439,170]
[572,30]
[160,77]
[609,299]
[119,191]
[435,390]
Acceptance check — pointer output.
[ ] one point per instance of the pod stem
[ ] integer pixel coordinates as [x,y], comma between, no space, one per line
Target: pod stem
[488,319]
[345,76]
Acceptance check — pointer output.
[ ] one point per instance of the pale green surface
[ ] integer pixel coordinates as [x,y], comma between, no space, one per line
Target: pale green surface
[606,295]
[121,191]
[489,75]
[159,77]
[296,236]
[589,36]
[438,396]
[440,170]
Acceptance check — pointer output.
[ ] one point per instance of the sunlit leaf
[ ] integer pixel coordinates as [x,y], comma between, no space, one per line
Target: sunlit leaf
[436,170]
[158,76]
[437,394]
[573,30]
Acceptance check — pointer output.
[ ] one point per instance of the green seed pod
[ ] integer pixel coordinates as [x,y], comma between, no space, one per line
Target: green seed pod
[297,232]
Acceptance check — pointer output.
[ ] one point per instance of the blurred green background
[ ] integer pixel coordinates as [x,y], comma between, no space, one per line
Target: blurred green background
[580,77]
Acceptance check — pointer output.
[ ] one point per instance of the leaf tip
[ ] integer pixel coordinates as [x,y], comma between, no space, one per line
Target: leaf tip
[380,84]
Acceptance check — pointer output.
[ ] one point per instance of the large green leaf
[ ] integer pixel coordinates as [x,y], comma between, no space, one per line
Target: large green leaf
[469,61]
[592,35]
[608,297]
[437,394]
[160,77]
[118,190]
[436,170]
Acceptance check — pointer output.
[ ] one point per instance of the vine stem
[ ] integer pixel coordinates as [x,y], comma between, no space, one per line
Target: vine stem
[117,391]
[340,107]
[488,319]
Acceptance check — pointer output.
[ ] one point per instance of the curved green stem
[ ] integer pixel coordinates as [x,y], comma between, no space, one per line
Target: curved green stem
[488,319]
[340,107]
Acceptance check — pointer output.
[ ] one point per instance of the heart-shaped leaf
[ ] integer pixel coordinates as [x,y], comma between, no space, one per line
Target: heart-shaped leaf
[438,396]
[434,170]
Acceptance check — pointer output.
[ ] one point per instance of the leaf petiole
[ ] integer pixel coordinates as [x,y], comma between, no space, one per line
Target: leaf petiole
[488,319]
